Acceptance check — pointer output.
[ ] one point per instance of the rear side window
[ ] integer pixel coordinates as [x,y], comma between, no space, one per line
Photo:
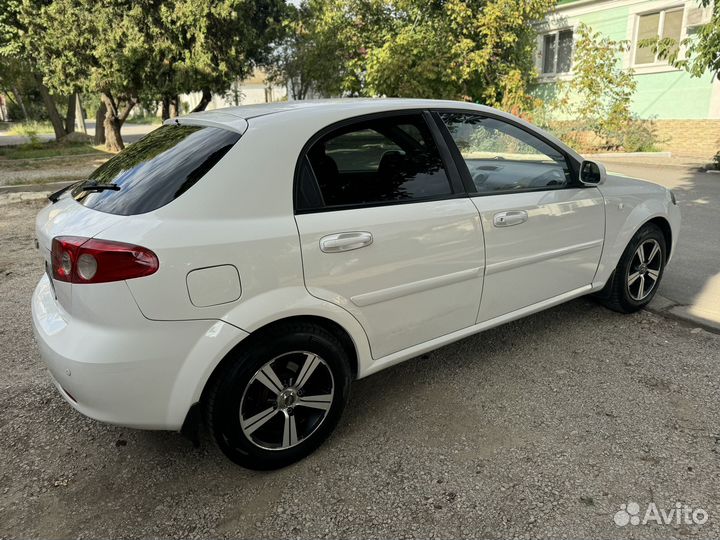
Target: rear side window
[373,161]
[155,170]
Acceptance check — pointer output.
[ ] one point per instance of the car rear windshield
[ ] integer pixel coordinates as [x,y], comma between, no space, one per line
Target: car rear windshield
[155,170]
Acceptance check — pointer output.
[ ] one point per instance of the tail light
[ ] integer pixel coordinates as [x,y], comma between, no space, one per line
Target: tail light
[88,260]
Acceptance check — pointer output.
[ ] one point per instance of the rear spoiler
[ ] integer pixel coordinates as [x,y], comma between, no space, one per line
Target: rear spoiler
[216,118]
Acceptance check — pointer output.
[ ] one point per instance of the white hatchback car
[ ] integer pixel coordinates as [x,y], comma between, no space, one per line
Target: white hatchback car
[242,266]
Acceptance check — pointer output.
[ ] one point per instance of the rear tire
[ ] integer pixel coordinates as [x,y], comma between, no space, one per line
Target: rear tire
[279,398]
[636,278]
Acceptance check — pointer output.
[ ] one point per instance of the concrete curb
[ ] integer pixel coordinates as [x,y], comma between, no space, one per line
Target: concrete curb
[23,196]
[667,308]
[32,188]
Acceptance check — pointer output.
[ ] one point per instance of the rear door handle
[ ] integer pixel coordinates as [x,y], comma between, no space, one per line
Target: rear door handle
[345,241]
[510,218]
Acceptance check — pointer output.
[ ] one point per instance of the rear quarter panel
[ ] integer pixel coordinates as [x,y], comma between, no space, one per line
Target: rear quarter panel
[240,214]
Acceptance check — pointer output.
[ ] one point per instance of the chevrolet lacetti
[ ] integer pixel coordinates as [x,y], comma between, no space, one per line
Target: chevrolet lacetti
[240,267]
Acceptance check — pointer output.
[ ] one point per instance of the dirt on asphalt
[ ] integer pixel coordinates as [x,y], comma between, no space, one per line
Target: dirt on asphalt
[540,428]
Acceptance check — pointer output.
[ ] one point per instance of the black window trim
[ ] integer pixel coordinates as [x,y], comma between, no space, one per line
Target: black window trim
[470,188]
[457,186]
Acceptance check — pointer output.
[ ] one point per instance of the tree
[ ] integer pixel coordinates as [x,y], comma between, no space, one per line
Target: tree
[476,50]
[218,42]
[307,60]
[97,48]
[603,88]
[126,50]
[206,45]
[20,69]
[600,93]
[15,83]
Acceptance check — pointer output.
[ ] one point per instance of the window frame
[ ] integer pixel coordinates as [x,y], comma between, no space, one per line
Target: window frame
[457,187]
[572,163]
[556,37]
[661,27]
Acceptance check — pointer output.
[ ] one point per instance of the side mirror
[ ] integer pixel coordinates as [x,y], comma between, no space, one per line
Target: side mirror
[592,173]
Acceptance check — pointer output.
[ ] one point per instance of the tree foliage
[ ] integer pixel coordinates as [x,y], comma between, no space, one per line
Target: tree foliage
[479,50]
[20,75]
[131,50]
[476,50]
[701,50]
[599,95]
[308,59]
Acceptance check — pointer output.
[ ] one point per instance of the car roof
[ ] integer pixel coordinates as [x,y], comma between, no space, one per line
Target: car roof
[236,118]
[327,111]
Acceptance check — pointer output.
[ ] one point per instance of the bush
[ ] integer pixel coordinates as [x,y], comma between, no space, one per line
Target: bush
[638,136]
[716,162]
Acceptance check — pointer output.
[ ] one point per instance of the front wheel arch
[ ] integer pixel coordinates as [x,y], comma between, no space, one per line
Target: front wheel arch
[664,225]
[615,294]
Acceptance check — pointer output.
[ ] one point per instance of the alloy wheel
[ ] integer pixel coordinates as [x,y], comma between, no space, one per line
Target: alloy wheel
[644,270]
[286,400]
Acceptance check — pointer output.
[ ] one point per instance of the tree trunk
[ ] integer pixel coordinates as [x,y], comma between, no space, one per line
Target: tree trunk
[129,107]
[165,108]
[111,124]
[204,100]
[100,124]
[174,106]
[52,111]
[70,116]
[20,102]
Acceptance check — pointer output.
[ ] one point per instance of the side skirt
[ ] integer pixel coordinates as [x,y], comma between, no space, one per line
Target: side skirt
[416,350]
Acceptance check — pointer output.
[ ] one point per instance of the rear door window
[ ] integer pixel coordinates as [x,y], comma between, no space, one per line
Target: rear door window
[156,170]
[391,159]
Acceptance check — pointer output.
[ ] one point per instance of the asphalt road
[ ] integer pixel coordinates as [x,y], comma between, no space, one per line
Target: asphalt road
[540,428]
[692,280]
[130,133]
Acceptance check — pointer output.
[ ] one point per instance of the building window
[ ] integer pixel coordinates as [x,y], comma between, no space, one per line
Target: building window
[664,24]
[557,52]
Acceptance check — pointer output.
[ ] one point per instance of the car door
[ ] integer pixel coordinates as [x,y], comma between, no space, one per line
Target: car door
[544,231]
[387,231]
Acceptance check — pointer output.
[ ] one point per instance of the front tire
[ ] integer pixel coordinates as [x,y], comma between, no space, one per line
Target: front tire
[278,399]
[636,278]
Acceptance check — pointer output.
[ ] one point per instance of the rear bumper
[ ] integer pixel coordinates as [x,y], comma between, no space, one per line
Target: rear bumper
[144,374]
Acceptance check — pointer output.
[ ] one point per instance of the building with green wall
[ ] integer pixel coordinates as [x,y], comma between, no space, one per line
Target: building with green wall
[685,109]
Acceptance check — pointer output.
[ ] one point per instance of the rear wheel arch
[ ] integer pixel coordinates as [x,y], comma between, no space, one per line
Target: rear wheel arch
[342,335]
[255,368]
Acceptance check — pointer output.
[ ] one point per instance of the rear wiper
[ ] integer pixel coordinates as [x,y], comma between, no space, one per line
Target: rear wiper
[53,197]
[94,186]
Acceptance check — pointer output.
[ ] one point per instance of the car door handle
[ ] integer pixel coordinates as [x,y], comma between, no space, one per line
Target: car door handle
[345,241]
[508,219]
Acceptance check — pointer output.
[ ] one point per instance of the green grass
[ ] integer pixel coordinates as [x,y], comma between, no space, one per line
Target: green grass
[48,150]
[28,129]
[144,120]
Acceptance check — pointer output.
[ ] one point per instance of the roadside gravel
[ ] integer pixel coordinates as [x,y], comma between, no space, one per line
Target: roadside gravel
[540,428]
